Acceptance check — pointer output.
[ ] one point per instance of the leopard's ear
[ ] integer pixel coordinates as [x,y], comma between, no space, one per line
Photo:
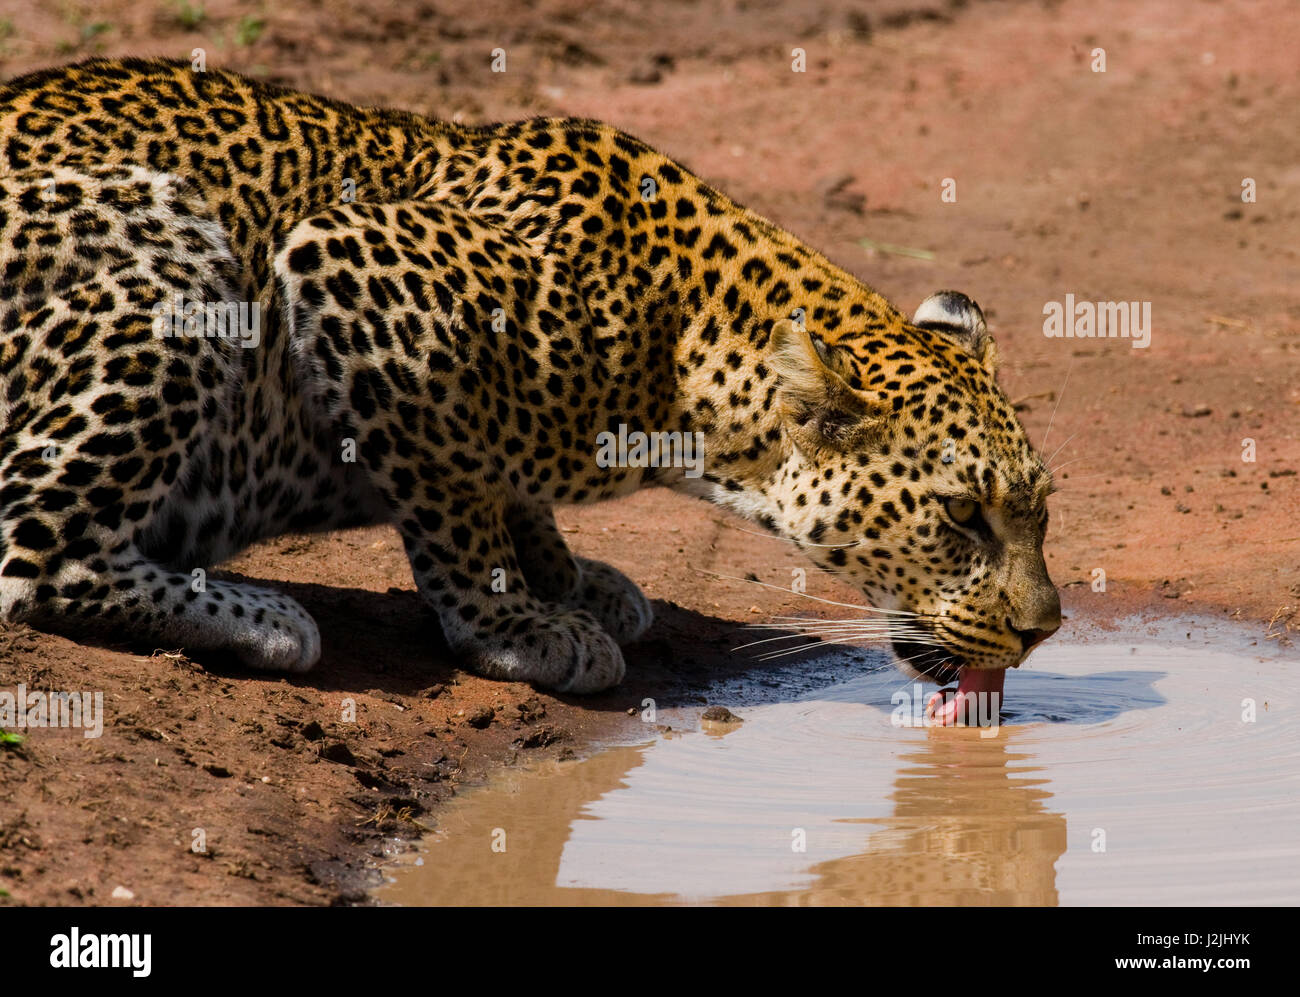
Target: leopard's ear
[960,319]
[820,409]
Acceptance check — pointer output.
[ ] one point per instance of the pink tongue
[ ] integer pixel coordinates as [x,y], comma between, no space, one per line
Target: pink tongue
[978,698]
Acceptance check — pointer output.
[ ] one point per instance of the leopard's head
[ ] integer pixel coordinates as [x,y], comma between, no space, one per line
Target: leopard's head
[908,475]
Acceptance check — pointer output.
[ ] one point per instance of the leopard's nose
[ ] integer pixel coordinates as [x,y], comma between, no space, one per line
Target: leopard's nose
[1030,639]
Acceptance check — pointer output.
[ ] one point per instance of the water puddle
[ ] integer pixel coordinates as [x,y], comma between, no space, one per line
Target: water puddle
[1127,770]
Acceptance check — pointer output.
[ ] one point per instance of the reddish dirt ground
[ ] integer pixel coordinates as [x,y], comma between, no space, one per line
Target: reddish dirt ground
[1116,185]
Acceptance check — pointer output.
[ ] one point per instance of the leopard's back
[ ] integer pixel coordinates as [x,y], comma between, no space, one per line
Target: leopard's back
[260,156]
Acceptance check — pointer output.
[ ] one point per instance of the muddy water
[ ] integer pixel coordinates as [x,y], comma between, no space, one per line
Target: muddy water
[1126,770]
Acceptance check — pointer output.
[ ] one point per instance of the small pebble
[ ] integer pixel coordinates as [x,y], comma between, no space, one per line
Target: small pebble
[720,715]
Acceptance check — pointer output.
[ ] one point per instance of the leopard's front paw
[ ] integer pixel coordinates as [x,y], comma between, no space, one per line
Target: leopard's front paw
[566,650]
[613,599]
[274,633]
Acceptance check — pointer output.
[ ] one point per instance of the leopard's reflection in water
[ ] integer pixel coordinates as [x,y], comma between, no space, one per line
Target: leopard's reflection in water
[1120,768]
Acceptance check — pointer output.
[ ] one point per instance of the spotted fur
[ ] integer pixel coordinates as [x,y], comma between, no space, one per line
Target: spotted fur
[450,316]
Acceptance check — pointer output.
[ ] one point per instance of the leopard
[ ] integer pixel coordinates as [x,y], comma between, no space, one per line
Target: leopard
[431,325]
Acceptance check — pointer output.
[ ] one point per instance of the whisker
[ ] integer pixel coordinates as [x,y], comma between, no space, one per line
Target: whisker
[840,626]
[754,643]
[864,633]
[797,543]
[848,634]
[1058,403]
[877,626]
[837,619]
[794,650]
[805,595]
[1060,448]
[1090,477]
[805,647]
[781,654]
[909,679]
[1067,464]
[910,633]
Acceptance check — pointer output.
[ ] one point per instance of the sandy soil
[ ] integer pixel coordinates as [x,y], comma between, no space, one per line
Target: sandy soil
[1116,185]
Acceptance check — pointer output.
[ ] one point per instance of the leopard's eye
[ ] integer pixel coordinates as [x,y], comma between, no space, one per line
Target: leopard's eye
[961,510]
